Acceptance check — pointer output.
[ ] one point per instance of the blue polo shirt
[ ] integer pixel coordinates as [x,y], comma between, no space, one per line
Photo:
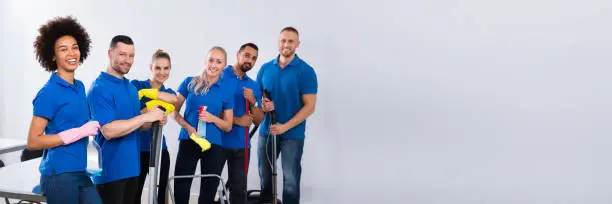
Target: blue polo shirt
[145,136]
[65,106]
[235,139]
[286,87]
[111,99]
[217,100]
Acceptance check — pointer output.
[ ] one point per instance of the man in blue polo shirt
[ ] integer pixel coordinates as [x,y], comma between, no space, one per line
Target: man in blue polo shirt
[114,103]
[292,85]
[236,144]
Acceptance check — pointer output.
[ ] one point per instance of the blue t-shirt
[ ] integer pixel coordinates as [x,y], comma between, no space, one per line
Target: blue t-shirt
[111,99]
[217,100]
[236,138]
[145,136]
[286,87]
[64,105]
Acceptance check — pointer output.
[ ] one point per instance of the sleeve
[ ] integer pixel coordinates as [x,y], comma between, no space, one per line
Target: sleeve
[228,102]
[308,81]
[44,104]
[183,88]
[139,86]
[257,93]
[260,77]
[102,106]
[136,84]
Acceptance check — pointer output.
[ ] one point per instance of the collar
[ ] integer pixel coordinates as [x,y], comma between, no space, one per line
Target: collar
[112,78]
[148,85]
[296,60]
[229,72]
[55,78]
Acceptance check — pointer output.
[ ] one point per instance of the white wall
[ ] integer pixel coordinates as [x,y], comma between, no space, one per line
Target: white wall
[420,101]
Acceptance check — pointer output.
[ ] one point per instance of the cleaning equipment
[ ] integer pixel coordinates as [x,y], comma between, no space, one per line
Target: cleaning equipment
[247,137]
[252,196]
[202,124]
[149,93]
[272,122]
[95,170]
[155,153]
[246,140]
[203,143]
[200,138]
[169,108]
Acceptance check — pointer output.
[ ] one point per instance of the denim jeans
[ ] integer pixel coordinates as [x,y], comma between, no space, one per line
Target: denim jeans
[70,187]
[291,156]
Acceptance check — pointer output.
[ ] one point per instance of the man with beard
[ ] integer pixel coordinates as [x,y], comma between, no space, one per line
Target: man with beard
[115,105]
[292,85]
[247,97]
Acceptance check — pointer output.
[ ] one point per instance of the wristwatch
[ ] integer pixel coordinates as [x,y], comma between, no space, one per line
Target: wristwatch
[256,104]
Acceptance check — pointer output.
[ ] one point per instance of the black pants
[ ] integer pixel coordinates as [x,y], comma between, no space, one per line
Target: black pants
[120,192]
[237,181]
[211,162]
[163,175]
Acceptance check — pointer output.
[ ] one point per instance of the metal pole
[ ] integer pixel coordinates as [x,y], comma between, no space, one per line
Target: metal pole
[155,159]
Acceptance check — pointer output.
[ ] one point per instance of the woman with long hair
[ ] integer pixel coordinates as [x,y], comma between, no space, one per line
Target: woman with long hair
[206,99]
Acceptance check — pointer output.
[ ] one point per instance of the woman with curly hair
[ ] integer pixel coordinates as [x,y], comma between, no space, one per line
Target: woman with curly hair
[60,123]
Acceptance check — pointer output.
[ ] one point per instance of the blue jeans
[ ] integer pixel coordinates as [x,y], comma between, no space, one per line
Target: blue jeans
[291,156]
[70,187]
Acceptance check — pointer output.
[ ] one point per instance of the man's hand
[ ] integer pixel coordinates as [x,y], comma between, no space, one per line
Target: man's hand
[268,105]
[248,95]
[155,114]
[278,129]
[245,121]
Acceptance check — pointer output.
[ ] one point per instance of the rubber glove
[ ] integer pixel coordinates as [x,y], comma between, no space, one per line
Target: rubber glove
[71,135]
[169,107]
[149,93]
[204,144]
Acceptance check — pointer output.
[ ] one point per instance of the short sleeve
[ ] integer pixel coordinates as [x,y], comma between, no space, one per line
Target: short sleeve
[260,77]
[228,102]
[139,86]
[101,105]
[183,88]
[136,84]
[44,104]
[257,93]
[308,81]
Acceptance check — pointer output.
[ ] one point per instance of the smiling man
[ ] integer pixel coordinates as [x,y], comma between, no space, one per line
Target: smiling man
[292,85]
[114,103]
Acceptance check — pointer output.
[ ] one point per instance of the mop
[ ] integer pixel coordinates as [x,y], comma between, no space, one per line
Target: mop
[155,153]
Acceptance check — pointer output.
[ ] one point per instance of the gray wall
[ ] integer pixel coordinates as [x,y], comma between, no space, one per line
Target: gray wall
[442,101]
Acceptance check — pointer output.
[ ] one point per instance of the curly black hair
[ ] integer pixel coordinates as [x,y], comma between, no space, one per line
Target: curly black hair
[54,29]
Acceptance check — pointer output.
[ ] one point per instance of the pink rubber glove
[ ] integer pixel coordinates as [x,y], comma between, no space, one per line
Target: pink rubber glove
[75,134]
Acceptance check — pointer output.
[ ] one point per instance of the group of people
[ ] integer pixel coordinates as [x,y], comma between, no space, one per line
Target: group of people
[116,112]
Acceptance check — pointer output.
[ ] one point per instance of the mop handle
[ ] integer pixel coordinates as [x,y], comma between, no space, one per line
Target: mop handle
[156,130]
[246,140]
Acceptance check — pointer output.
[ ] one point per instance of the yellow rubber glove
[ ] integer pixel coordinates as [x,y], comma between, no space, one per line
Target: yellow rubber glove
[204,143]
[149,93]
[169,107]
